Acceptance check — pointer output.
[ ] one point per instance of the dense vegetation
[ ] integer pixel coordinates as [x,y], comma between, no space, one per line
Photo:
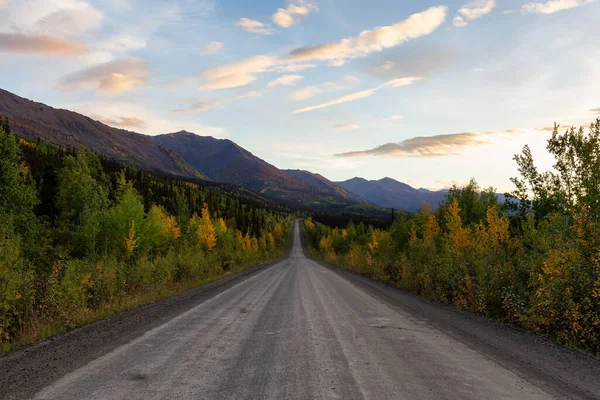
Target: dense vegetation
[81,236]
[532,262]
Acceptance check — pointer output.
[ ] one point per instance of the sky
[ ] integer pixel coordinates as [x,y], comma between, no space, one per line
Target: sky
[431,93]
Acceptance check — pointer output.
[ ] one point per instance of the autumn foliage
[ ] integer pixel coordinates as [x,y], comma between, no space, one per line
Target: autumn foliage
[532,261]
[95,245]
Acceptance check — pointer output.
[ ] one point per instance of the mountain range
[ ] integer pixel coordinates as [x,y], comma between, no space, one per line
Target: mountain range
[390,193]
[189,156]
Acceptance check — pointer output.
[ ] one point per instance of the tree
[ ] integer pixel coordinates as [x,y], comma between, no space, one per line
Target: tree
[82,201]
[18,194]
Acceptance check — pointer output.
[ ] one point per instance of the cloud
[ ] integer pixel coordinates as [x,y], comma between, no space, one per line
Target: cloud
[473,10]
[294,13]
[393,118]
[370,41]
[285,80]
[339,100]
[553,6]
[293,67]
[39,44]
[346,127]
[345,83]
[71,21]
[121,122]
[359,95]
[459,21]
[2,3]
[111,78]
[250,25]
[596,110]
[199,106]
[507,12]
[123,43]
[452,144]
[213,47]
[425,146]
[423,60]
[253,93]
[237,74]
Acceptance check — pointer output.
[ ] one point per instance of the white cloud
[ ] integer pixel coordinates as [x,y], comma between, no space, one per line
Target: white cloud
[111,78]
[346,127]
[345,83]
[459,21]
[253,93]
[507,12]
[213,47]
[339,100]
[296,11]
[360,95]
[380,38]
[39,44]
[55,17]
[250,25]
[394,118]
[293,67]
[123,43]
[285,80]
[553,6]
[473,10]
[237,74]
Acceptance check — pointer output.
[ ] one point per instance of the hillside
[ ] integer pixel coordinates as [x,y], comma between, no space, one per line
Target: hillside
[69,129]
[224,161]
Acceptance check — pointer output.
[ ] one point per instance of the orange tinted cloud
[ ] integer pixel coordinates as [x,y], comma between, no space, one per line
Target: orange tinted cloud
[39,44]
[111,78]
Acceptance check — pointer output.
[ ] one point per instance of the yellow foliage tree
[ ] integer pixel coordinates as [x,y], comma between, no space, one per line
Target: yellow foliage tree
[131,239]
[206,230]
[171,227]
[456,236]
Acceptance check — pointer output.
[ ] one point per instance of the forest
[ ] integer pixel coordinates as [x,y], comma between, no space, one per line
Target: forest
[531,262]
[82,237]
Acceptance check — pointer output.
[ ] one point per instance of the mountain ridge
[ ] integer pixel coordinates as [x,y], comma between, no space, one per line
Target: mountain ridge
[390,193]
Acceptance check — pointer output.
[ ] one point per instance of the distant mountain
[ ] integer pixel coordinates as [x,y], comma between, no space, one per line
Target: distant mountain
[390,193]
[323,185]
[69,129]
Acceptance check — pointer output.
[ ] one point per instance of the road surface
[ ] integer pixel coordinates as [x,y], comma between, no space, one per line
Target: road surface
[302,330]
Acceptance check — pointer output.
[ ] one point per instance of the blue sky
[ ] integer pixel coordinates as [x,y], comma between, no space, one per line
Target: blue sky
[427,92]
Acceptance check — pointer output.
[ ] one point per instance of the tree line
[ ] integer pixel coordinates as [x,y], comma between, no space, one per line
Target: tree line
[532,261]
[82,236]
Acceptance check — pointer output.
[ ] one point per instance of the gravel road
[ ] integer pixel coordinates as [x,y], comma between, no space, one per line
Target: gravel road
[297,329]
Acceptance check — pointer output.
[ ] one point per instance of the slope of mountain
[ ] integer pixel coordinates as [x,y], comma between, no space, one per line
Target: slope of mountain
[323,185]
[224,161]
[69,129]
[390,193]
